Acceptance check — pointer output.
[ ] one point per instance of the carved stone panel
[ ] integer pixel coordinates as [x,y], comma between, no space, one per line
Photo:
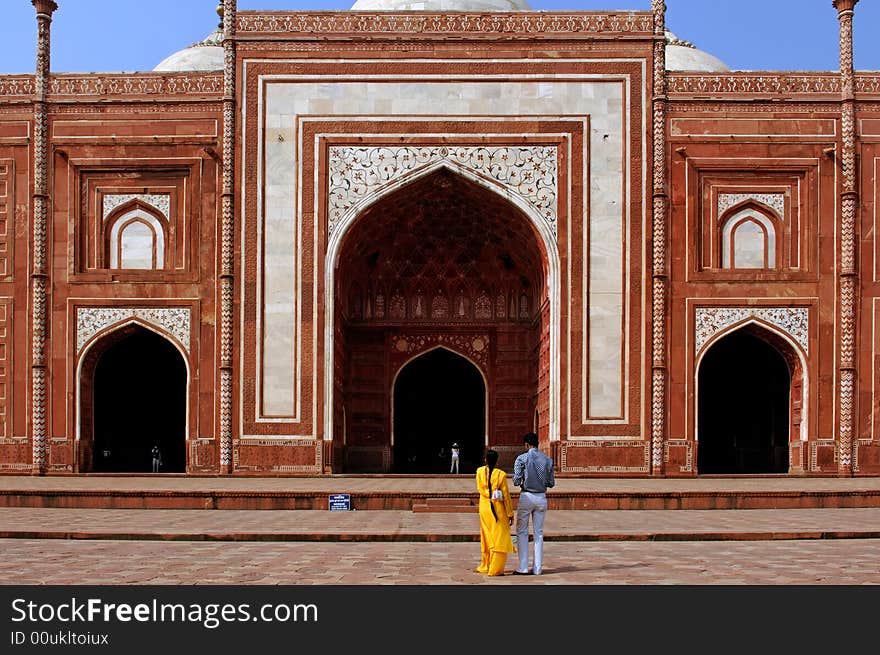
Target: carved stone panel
[173,320]
[529,172]
[709,321]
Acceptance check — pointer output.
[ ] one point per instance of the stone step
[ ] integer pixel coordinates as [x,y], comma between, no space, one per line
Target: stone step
[445,508]
[446,504]
[454,502]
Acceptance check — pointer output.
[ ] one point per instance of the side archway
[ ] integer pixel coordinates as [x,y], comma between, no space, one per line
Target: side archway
[132,384]
[751,401]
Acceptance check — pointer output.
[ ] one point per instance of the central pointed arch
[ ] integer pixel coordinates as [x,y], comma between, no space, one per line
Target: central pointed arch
[443,258]
[546,239]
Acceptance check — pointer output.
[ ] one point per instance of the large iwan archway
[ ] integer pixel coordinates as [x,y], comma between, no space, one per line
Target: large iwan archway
[750,403]
[133,396]
[441,260]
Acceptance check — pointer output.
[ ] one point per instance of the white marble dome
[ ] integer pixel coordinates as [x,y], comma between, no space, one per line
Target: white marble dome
[683,56]
[441,5]
[206,55]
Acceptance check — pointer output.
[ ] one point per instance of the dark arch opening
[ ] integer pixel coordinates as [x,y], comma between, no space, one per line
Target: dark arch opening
[138,400]
[743,410]
[439,399]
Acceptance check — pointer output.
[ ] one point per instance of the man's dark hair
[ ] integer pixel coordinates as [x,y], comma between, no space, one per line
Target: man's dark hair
[531,439]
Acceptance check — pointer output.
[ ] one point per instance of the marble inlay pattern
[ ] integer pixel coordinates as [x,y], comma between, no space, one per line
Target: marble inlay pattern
[161,201]
[476,347]
[528,171]
[794,321]
[776,201]
[92,320]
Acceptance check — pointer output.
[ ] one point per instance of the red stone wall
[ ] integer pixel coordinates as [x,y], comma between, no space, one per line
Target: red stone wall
[105,138]
[726,134]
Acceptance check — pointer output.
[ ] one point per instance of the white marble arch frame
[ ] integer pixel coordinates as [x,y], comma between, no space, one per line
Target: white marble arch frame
[548,241]
[779,332]
[98,336]
[463,356]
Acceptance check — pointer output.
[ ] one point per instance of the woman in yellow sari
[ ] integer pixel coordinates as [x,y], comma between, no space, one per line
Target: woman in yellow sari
[496,516]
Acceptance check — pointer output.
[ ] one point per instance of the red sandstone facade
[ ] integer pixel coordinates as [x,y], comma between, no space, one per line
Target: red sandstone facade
[737,204]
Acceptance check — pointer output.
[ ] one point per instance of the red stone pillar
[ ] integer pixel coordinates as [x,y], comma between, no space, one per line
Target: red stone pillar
[227,247]
[659,272]
[848,276]
[40,268]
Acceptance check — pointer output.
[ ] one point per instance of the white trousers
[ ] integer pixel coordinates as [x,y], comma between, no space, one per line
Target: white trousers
[534,506]
[453,467]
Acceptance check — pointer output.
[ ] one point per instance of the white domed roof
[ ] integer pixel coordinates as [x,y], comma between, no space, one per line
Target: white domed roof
[441,5]
[206,55]
[683,56]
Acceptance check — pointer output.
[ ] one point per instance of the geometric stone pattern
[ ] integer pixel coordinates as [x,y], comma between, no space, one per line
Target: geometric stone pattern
[709,321]
[91,320]
[120,84]
[528,171]
[160,201]
[453,23]
[776,201]
[745,83]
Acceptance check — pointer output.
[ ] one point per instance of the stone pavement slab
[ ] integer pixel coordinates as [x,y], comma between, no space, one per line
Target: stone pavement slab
[407,526]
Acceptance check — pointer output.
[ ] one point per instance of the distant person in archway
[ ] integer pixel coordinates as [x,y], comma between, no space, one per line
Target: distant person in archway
[453,466]
[157,458]
[496,517]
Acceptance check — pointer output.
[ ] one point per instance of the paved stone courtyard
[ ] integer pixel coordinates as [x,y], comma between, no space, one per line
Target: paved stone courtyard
[825,562]
[77,545]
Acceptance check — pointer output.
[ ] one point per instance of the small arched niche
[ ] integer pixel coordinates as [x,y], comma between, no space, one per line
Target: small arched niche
[750,238]
[135,238]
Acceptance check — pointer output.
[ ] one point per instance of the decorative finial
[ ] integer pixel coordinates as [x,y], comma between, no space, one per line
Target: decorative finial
[220,13]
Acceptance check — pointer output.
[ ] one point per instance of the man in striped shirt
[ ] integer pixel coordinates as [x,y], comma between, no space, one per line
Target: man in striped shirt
[533,474]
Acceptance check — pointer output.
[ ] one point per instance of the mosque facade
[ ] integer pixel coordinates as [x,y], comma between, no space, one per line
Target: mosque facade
[338,242]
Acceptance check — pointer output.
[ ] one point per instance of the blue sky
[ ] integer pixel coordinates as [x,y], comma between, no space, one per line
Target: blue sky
[129,35]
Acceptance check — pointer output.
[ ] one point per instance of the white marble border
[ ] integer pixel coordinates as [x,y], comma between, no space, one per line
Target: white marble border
[590,204]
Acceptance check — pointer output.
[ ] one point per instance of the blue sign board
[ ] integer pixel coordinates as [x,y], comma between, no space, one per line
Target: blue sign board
[340,502]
